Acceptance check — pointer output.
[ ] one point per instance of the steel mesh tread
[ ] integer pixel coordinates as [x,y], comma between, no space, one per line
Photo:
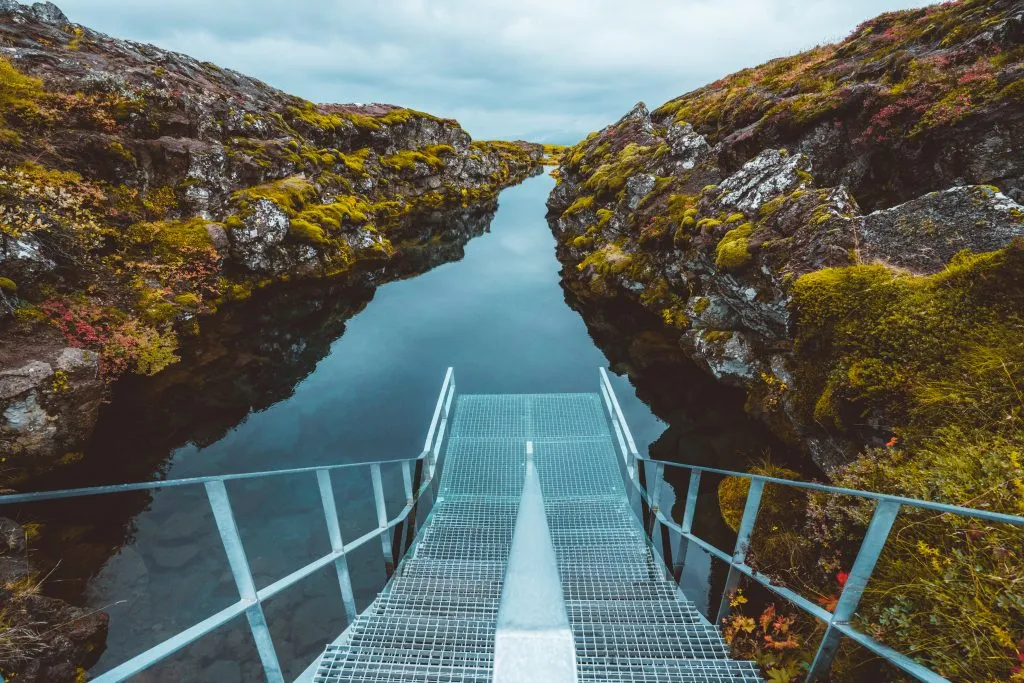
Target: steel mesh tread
[436,605]
[436,619]
[653,670]
[337,665]
[666,612]
[688,641]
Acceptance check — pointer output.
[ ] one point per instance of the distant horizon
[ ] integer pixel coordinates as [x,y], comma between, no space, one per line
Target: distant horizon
[505,73]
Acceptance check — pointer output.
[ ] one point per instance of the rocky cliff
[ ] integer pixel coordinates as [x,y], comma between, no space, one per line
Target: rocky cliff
[141,189]
[838,235]
[891,160]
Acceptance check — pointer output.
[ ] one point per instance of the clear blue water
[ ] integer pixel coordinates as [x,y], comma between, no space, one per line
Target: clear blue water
[498,316]
[340,372]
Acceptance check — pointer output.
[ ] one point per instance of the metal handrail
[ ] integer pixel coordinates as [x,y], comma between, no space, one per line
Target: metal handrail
[837,620]
[251,599]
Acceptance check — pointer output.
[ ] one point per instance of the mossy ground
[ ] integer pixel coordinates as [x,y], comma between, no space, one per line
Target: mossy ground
[135,267]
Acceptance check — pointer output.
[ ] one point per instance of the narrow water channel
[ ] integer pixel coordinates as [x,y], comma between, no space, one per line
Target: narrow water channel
[326,373]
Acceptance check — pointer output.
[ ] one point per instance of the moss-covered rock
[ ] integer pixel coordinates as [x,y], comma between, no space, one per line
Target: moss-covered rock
[839,233]
[140,189]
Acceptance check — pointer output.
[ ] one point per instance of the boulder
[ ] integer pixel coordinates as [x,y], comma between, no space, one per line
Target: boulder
[923,234]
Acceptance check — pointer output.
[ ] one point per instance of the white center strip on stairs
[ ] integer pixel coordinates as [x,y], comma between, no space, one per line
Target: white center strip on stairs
[533,641]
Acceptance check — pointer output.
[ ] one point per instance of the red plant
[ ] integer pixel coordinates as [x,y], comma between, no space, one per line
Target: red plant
[82,324]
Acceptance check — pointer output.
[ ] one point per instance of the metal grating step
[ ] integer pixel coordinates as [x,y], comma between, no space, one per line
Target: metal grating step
[337,665]
[687,641]
[641,612]
[650,670]
[443,605]
[436,620]
[458,574]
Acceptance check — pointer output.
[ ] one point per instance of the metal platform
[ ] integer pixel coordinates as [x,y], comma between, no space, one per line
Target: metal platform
[531,565]
[438,618]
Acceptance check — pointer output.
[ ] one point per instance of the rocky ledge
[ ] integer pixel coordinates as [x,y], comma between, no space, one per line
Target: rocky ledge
[838,234]
[41,639]
[733,212]
[141,189]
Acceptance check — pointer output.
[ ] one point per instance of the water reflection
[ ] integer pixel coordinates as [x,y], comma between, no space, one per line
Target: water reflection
[314,373]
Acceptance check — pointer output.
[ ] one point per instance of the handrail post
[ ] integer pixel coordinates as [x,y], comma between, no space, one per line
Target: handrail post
[435,452]
[410,531]
[382,518]
[239,563]
[871,548]
[652,519]
[323,478]
[692,491]
[407,482]
[643,494]
[739,553]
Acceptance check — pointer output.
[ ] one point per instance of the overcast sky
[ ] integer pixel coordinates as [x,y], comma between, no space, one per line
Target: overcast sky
[545,70]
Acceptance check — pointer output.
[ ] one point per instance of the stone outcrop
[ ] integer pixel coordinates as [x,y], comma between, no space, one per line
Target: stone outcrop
[48,407]
[45,639]
[708,211]
[141,189]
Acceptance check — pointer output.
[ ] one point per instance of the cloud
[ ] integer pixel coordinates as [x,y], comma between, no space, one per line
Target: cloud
[539,69]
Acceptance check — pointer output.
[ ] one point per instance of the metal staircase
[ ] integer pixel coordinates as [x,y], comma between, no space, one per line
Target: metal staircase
[438,619]
[545,556]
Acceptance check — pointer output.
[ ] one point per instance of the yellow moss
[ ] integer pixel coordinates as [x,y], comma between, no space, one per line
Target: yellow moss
[305,231]
[356,161]
[776,500]
[582,203]
[19,94]
[291,194]
[674,317]
[733,251]
[169,239]
[608,260]
[432,156]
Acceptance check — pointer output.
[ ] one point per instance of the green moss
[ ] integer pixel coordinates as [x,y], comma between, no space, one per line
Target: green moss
[355,161]
[608,260]
[20,97]
[406,160]
[1014,91]
[735,218]
[603,216]
[7,284]
[926,351]
[581,204]
[171,240]
[582,242]
[700,304]
[674,317]
[188,300]
[304,231]
[291,194]
[120,151]
[309,114]
[778,503]
[717,336]
[332,216]
[705,224]
[733,251]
